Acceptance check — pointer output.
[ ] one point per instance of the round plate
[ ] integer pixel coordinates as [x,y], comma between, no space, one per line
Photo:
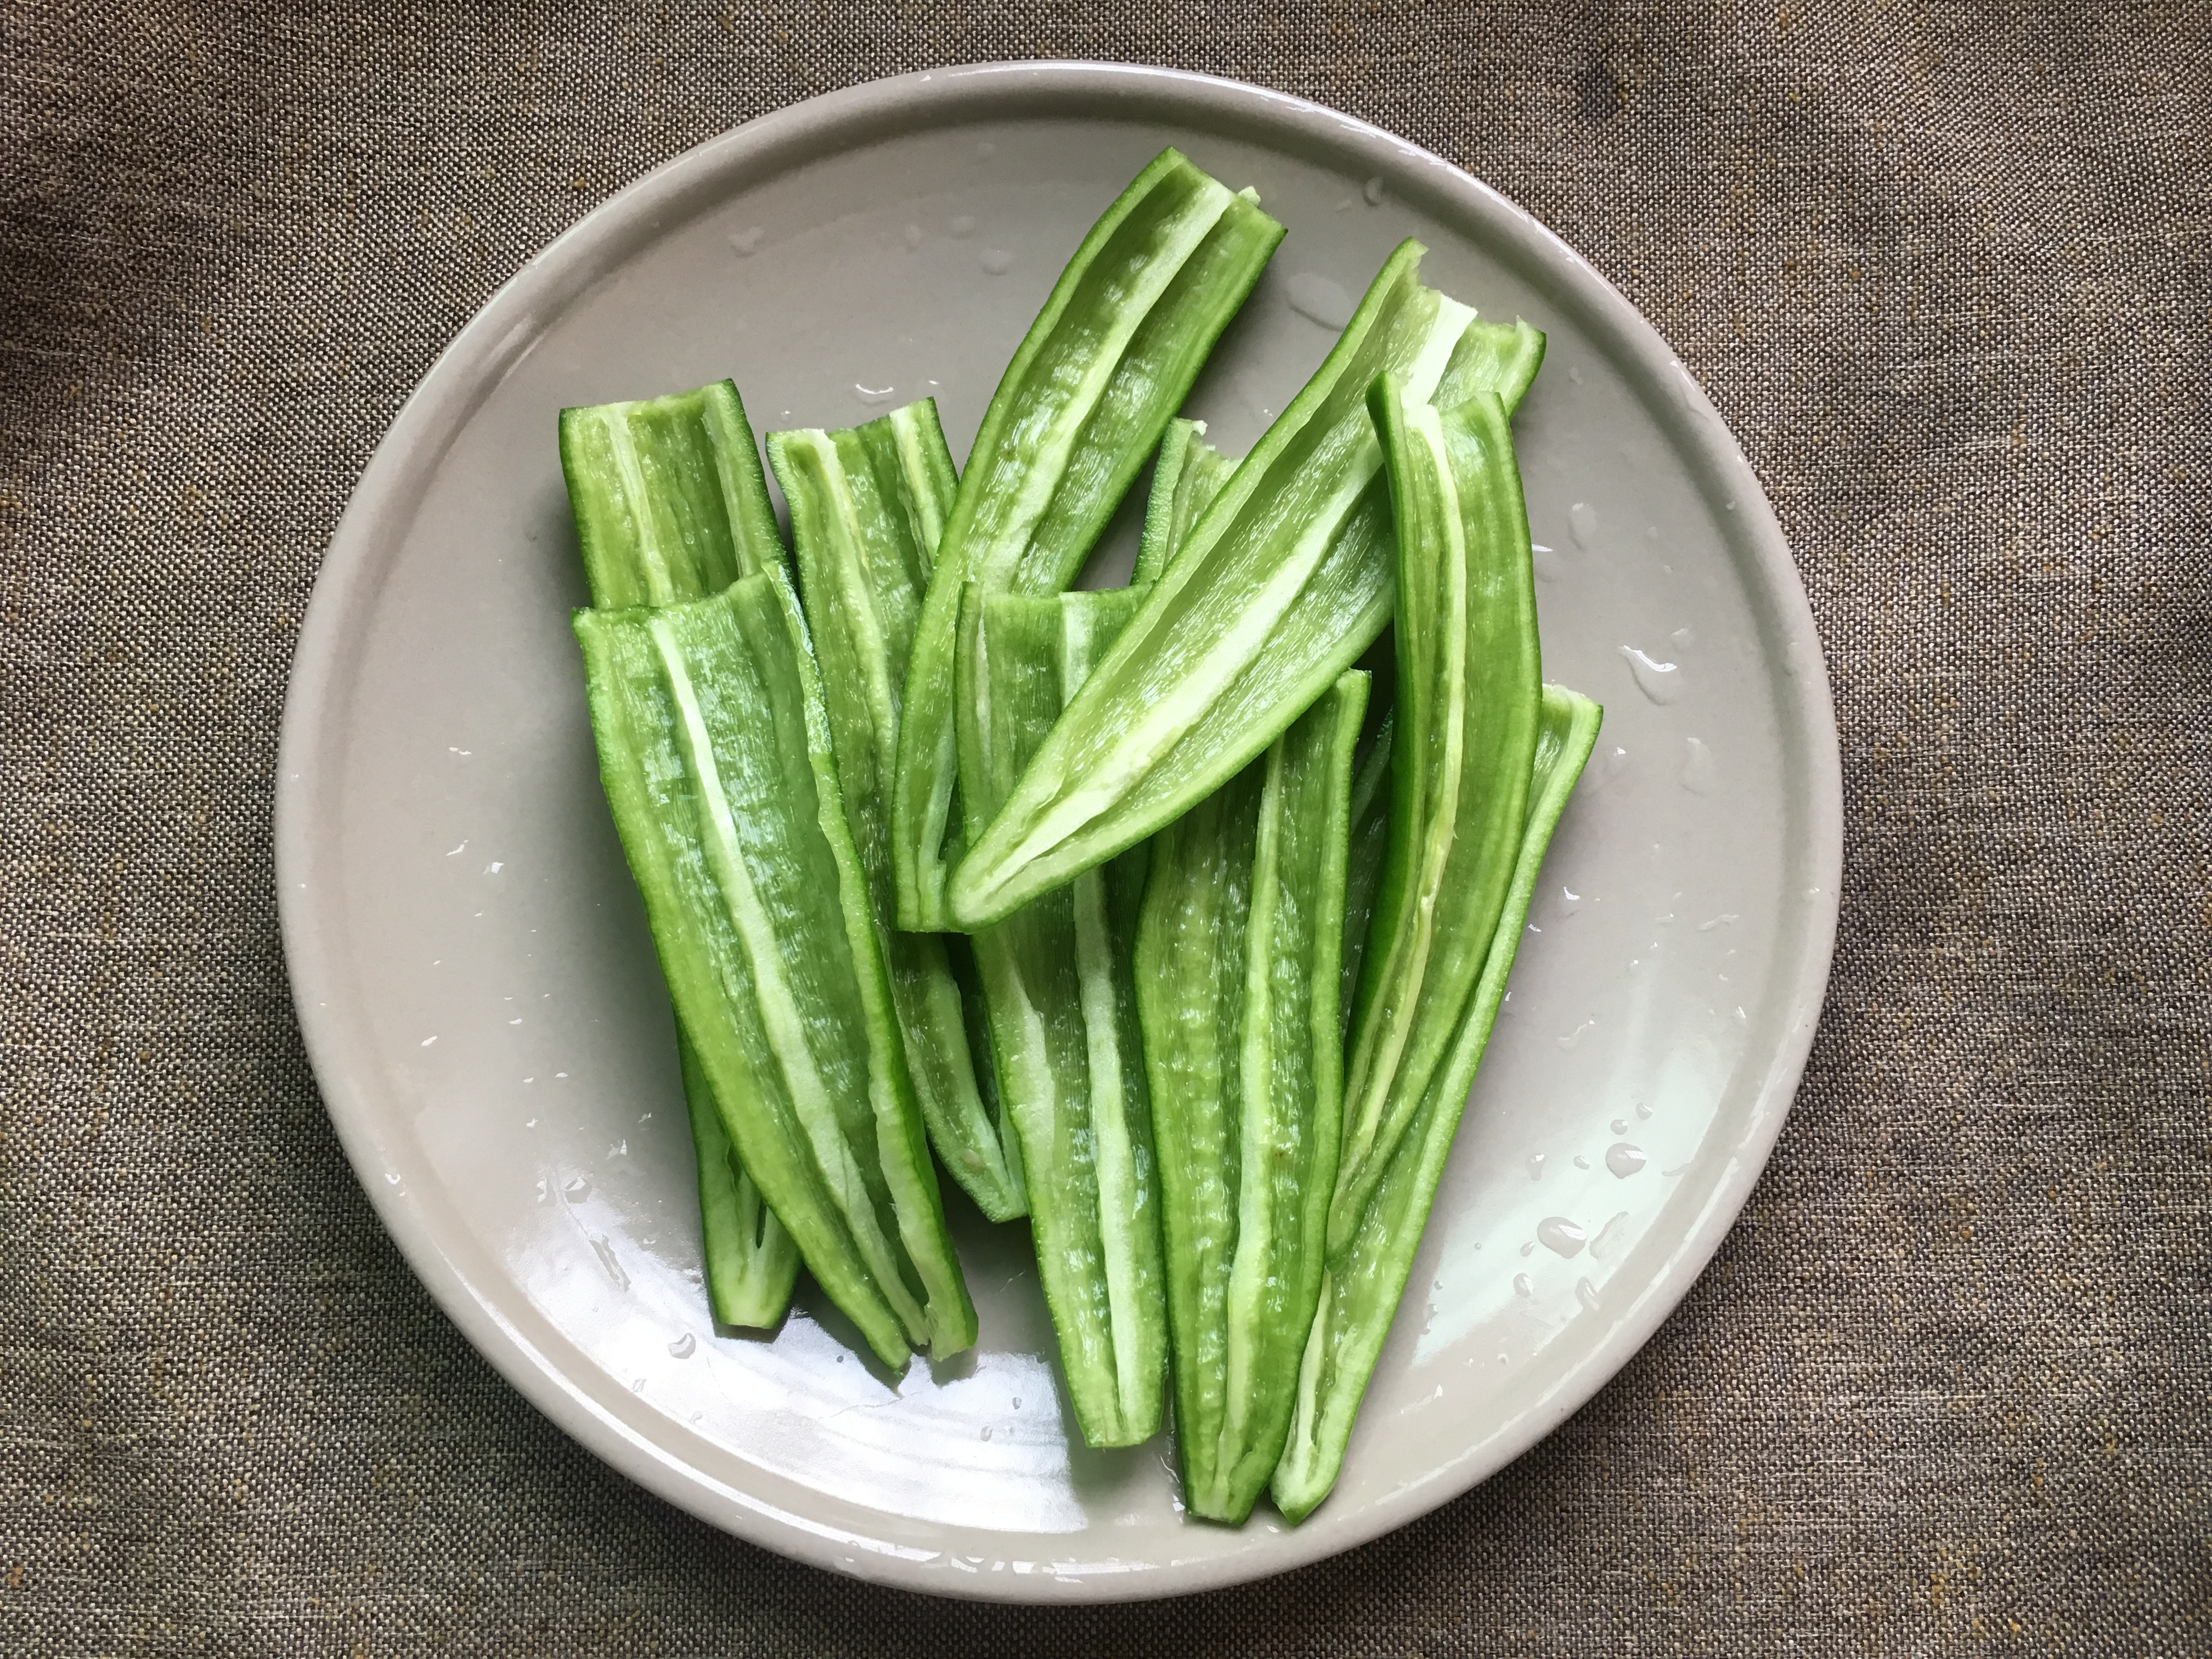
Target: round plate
[471,965]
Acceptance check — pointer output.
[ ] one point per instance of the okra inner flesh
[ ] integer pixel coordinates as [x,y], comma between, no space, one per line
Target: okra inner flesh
[868,506]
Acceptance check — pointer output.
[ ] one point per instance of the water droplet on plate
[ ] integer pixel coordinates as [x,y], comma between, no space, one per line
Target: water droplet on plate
[1560,1236]
[1581,518]
[1623,1159]
[746,242]
[1550,566]
[1609,1237]
[1698,774]
[1620,1126]
[997,261]
[1576,1035]
[575,1188]
[1523,1286]
[609,1260]
[1643,1111]
[1536,1165]
[871,395]
[986,1431]
[1372,190]
[912,234]
[1316,297]
[1684,636]
[684,1346]
[1586,1293]
[1662,682]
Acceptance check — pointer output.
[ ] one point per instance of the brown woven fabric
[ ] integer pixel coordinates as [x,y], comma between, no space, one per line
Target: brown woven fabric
[1948,271]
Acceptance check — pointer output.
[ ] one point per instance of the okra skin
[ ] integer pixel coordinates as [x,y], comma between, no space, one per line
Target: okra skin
[1283,581]
[868,510]
[1370,843]
[1077,413]
[1187,477]
[715,755]
[1363,1285]
[668,497]
[1061,1009]
[1469,690]
[751,1262]
[1238,972]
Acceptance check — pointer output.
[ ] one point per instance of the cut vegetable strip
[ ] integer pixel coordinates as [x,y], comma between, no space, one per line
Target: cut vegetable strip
[714,751]
[670,505]
[1061,1009]
[1285,580]
[1237,979]
[1469,686]
[1362,1286]
[868,508]
[751,1262]
[668,497]
[1369,849]
[1078,412]
[1187,477]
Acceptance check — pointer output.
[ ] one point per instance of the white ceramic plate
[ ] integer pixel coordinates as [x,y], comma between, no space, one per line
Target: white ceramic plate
[472,964]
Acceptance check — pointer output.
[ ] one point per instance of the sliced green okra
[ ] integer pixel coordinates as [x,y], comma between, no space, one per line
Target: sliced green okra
[1238,978]
[868,510]
[1370,844]
[751,1262]
[1365,1283]
[668,496]
[670,505]
[1080,411]
[1061,1005]
[1187,477]
[1469,687]
[715,754]
[1284,578]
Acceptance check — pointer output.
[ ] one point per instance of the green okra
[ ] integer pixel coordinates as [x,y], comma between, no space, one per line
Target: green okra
[1061,1007]
[668,496]
[1238,976]
[1469,687]
[670,505]
[1370,843]
[1187,477]
[868,510]
[751,1262]
[1365,1283]
[1078,412]
[714,751]
[1284,578]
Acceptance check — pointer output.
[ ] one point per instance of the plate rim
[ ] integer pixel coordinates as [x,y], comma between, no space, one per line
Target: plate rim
[504,329]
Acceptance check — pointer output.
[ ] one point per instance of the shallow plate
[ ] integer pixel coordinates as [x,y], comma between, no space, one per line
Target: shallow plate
[471,964]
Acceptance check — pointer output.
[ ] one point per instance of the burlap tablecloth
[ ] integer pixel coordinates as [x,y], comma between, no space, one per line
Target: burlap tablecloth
[1945,269]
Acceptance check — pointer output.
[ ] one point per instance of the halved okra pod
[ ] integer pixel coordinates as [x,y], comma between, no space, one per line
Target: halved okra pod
[1237,972]
[714,751]
[1283,582]
[1469,682]
[1056,988]
[1364,1282]
[1077,414]
[670,506]
[868,510]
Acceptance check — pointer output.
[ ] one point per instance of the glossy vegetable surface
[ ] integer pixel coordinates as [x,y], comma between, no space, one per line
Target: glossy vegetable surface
[1061,1007]
[1283,581]
[1078,412]
[714,751]
[1365,1283]
[1187,477]
[1238,973]
[1469,683]
[868,510]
